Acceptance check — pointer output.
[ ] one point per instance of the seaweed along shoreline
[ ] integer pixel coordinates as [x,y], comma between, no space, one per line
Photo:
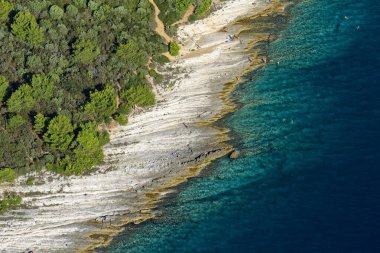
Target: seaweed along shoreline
[156,151]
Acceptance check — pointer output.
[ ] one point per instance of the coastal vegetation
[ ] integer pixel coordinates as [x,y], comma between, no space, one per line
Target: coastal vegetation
[9,201]
[173,10]
[65,68]
[7,175]
[174,48]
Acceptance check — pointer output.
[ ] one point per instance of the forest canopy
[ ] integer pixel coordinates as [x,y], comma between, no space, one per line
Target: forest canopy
[173,10]
[63,64]
[68,66]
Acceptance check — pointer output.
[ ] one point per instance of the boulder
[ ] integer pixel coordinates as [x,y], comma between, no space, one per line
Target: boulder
[235,154]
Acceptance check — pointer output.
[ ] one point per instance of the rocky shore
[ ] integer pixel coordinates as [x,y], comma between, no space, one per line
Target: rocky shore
[158,149]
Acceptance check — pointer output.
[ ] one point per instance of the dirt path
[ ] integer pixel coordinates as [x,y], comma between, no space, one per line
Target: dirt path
[186,16]
[160,27]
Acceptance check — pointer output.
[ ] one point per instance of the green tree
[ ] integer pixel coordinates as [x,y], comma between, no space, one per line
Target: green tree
[182,5]
[43,87]
[71,10]
[56,12]
[21,100]
[60,133]
[203,7]
[5,8]
[174,48]
[25,28]
[93,5]
[88,152]
[140,95]
[102,104]
[131,53]
[15,122]
[34,62]
[85,51]
[39,122]
[3,87]
[80,3]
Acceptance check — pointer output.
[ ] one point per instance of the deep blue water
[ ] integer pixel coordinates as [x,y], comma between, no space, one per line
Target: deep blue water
[309,130]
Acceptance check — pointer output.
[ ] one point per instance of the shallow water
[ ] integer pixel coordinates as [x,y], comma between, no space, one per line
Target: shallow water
[308,179]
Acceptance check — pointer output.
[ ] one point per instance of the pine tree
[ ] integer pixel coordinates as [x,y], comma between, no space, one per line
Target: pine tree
[60,133]
[25,28]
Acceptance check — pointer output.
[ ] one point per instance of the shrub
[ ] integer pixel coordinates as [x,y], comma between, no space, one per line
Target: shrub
[203,7]
[140,95]
[157,76]
[121,119]
[9,201]
[7,175]
[30,180]
[161,59]
[174,48]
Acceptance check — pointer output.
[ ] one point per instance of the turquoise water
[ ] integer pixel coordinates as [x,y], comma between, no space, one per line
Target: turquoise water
[309,130]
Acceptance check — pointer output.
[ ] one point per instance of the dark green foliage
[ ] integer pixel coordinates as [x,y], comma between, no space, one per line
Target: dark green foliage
[202,8]
[5,8]
[161,59]
[17,146]
[131,53]
[174,48]
[25,28]
[7,175]
[30,180]
[157,76]
[9,201]
[173,10]
[71,10]
[140,95]
[62,66]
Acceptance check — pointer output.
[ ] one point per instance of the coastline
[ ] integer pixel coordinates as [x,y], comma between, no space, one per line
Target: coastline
[156,151]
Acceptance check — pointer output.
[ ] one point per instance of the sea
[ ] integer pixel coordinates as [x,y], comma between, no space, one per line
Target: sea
[308,128]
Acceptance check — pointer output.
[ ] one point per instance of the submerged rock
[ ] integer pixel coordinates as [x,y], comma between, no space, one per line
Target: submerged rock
[235,154]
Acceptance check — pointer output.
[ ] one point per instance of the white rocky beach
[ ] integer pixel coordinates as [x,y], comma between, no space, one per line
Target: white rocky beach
[160,147]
